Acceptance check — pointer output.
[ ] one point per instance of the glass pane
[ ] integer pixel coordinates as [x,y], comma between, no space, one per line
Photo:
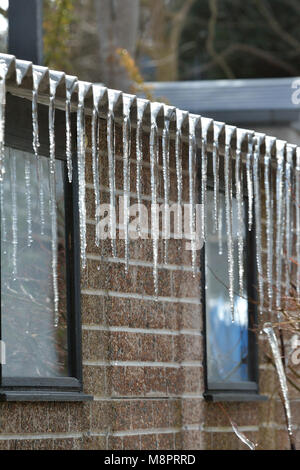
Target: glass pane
[227,342]
[34,347]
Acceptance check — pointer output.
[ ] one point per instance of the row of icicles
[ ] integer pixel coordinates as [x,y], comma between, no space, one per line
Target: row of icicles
[283,206]
[281,203]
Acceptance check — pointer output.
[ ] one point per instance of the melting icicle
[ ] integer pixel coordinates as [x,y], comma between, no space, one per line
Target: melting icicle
[269,217]
[192,181]
[288,224]
[228,214]
[3,72]
[249,162]
[242,436]
[111,172]
[28,198]
[166,175]
[256,180]
[297,221]
[240,137]
[82,90]
[268,330]
[95,166]
[141,106]
[52,186]
[178,158]
[217,130]
[37,77]
[13,182]
[3,217]
[205,124]
[154,183]
[220,230]
[126,173]
[70,85]
[280,150]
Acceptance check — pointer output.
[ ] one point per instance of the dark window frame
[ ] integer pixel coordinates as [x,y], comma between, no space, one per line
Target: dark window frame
[245,390]
[18,135]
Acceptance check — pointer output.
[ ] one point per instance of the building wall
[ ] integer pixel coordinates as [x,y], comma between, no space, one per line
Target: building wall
[142,356]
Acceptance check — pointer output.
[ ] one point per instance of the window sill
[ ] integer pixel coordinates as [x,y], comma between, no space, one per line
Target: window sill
[43,396]
[224,396]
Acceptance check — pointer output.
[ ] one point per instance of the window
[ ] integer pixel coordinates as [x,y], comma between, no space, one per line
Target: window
[231,350]
[43,361]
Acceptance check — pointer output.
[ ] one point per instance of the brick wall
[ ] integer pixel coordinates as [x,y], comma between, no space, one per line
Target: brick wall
[142,356]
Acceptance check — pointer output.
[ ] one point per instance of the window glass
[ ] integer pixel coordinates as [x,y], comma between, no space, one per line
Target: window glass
[34,346]
[227,342]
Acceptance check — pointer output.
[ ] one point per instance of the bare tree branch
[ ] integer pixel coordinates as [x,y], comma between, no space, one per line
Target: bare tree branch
[218,58]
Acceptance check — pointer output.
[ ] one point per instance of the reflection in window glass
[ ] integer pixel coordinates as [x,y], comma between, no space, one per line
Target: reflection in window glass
[34,347]
[227,342]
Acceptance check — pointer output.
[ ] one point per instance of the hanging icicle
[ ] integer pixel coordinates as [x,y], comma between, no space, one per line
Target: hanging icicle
[28,198]
[54,80]
[180,118]
[241,136]
[280,152]
[71,85]
[112,168]
[2,210]
[229,131]
[168,113]
[127,102]
[141,107]
[3,73]
[220,230]
[268,330]
[205,126]
[249,167]
[297,221]
[258,139]
[154,148]
[193,122]
[269,142]
[218,126]
[14,216]
[98,94]
[83,88]
[37,75]
[288,216]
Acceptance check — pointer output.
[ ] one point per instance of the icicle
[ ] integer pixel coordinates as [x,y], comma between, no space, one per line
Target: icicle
[2,210]
[268,330]
[218,126]
[28,198]
[141,107]
[126,172]
[220,230]
[297,220]
[192,186]
[52,185]
[178,158]
[155,108]
[205,125]
[288,221]
[249,162]
[95,167]
[111,170]
[280,151]
[257,203]
[82,90]
[269,217]
[242,437]
[13,182]
[3,72]
[37,77]
[71,84]
[229,130]
[240,137]
[168,112]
